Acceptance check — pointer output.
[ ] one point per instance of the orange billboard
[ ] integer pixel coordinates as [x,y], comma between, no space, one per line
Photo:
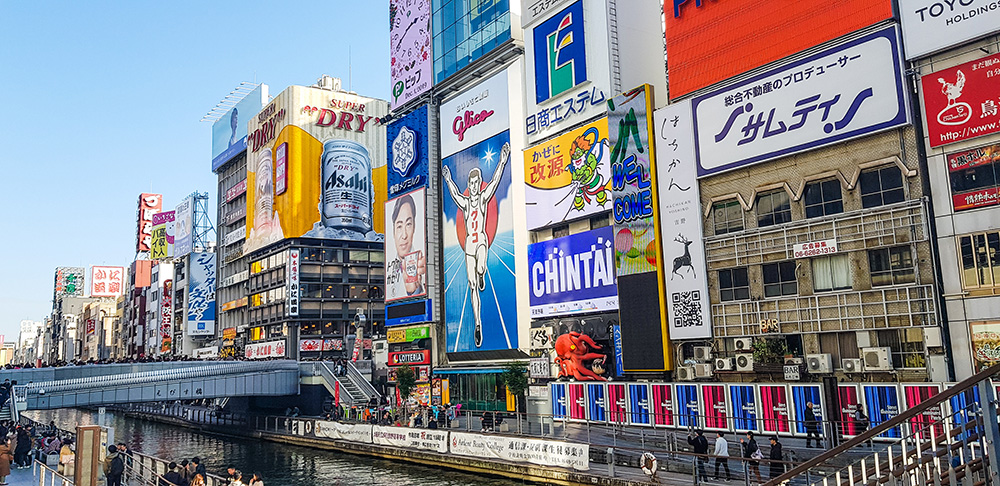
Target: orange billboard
[711,40]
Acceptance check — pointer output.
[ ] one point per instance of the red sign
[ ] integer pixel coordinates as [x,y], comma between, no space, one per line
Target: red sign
[235,191]
[400,358]
[311,345]
[969,189]
[91,326]
[962,102]
[149,204]
[710,41]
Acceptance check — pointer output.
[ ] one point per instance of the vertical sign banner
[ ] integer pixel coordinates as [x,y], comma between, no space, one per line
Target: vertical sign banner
[293,282]
[962,102]
[637,250]
[688,408]
[166,316]
[409,49]
[107,281]
[405,249]
[744,400]
[617,403]
[577,401]
[184,227]
[597,402]
[663,404]
[407,138]
[932,25]
[573,274]
[929,422]
[68,282]
[882,403]
[850,403]
[714,398]
[201,295]
[638,404]
[844,92]
[774,408]
[149,204]
[688,305]
[568,177]
[162,246]
[560,402]
[802,395]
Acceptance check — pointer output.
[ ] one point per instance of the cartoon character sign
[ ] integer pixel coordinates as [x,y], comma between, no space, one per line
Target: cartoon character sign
[478,229]
[577,359]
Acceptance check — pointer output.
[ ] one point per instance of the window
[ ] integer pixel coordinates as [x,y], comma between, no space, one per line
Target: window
[728,217]
[906,347]
[823,199]
[734,284]
[779,279]
[891,266]
[974,173]
[560,231]
[881,186]
[773,208]
[980,260]
[831,273]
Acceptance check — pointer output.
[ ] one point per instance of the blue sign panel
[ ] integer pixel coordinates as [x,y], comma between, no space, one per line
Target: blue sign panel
[638,403]
[407,139]
[560,53]
[687,405]
[573,274]
[201,295]
[801,395]
[229,133]
[409,313]
[560,402]
[882,404]
[616,335]
[597,402]
[744,405]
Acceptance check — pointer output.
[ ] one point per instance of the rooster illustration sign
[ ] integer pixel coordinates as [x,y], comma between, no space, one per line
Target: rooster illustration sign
[957,112]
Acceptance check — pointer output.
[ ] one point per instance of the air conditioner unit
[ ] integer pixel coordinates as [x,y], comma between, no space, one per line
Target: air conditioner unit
[851,365]
[703,370]
[819,363]
[876,359]
[743,344]
[725,364]
[744,362]
[685,373]
[703,353]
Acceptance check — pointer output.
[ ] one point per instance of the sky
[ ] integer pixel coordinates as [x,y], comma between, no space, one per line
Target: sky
[102,102]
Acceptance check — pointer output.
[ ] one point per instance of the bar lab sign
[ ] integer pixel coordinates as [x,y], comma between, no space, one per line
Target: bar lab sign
[401,358]
[844,92]
[815,248]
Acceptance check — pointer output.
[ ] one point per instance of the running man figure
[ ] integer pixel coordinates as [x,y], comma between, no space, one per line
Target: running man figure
[474,208]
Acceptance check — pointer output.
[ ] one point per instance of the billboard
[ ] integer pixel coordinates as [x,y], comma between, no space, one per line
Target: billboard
[201,295]
[478,113]
[574,274]
[568,177]
[149,204]
[932,25]
[408,151]
[229,133]
[184,227]
[963,101]
[406,246]
[966,169]
[882,404]
[107,281]
[68,282]
[843,92]
[409,49]
[331,149]
[166,316]
[162,245]
[708,42]
[477,222]
[985,337]
[680,210]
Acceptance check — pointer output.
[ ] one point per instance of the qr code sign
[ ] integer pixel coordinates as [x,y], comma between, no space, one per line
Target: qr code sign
[687,308]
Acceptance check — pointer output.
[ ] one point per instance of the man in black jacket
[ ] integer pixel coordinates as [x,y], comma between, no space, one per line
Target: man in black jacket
[172,477]
[700,444]
[812,426]
[114,466]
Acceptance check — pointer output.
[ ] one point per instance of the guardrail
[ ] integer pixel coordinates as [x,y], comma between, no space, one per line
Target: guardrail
[48,476]
[361,382]
[150,471]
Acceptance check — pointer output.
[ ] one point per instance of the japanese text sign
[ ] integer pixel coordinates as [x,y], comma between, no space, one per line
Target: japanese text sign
[932,25]
[149,204]
[968,189]
[107,281]
[962,102]
[408,151]
[847,91]
[68,282]
[410,49]
[292,294]
[477,114]
[814,248]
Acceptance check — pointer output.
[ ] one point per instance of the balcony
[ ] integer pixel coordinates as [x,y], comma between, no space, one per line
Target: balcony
[895,224]
[879,308]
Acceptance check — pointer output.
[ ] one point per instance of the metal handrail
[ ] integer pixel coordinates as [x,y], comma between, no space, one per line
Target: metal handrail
[360,381]
[330,377]
[39,468]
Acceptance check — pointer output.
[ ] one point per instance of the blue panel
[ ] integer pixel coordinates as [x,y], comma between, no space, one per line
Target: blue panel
[560,407]
[597,403]
[961,412]
[882,404]
[744,406]
[638,400]
[802,394]
[687,405]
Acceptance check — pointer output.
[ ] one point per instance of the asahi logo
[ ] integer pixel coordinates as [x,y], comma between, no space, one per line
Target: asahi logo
[346,180]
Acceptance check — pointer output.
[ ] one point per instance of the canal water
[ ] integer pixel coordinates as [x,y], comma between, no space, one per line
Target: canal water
[279,464]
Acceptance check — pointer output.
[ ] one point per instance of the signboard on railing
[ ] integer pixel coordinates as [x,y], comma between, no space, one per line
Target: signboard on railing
[426,439]
[814,248]
[521,450]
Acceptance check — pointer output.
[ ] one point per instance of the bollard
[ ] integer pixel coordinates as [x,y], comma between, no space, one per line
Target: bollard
[611,462]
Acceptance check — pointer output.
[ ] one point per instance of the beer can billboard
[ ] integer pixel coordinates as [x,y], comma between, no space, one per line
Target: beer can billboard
[327,149]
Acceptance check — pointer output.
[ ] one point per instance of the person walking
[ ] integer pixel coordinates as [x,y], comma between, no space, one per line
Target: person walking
[861,425]
[751,455]
[700,444]
[777,468]
[722,456]
[114,466]
[5,459]
[812,427]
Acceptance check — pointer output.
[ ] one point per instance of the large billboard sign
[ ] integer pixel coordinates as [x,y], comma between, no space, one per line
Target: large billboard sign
[184,227]
[149,204]
[969,188]
[479,113]
[201,295]
[962,102]
[408,144]
[69,282]
[405,249]
[933,25]
[229,133]
[162,245]
[844,92]
[409,49]
[107,281]
[328,150]
[708,42]
[166,316]
[574,274]
[568,177]
[688,308]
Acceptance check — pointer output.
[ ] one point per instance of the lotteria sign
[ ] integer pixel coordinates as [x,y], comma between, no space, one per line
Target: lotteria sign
[401,358]
[477,114]
[573,274]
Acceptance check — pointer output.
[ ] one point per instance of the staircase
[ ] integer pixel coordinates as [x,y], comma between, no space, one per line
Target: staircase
[949,439]
[355,390]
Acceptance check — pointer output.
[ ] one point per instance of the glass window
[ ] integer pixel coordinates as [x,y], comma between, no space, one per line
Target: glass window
[891,266]
[333,273]
[779,279]
[376,256]
[728,217]
[376,274]
[734,284]
[881,186]
[980,260]
[823,198]
[356,256]
[358,292]
[906,347]
[773,208]
[357,275]
[831,273]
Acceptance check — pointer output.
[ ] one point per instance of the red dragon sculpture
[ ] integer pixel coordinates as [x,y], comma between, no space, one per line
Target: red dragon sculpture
[573,351]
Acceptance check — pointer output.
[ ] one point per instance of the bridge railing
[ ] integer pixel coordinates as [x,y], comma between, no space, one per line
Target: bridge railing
[150,470]
[48,476]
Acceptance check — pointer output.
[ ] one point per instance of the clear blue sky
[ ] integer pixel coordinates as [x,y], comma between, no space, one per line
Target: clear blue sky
[102,101]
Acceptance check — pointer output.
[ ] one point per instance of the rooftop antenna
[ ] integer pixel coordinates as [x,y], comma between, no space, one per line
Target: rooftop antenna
[350,79]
